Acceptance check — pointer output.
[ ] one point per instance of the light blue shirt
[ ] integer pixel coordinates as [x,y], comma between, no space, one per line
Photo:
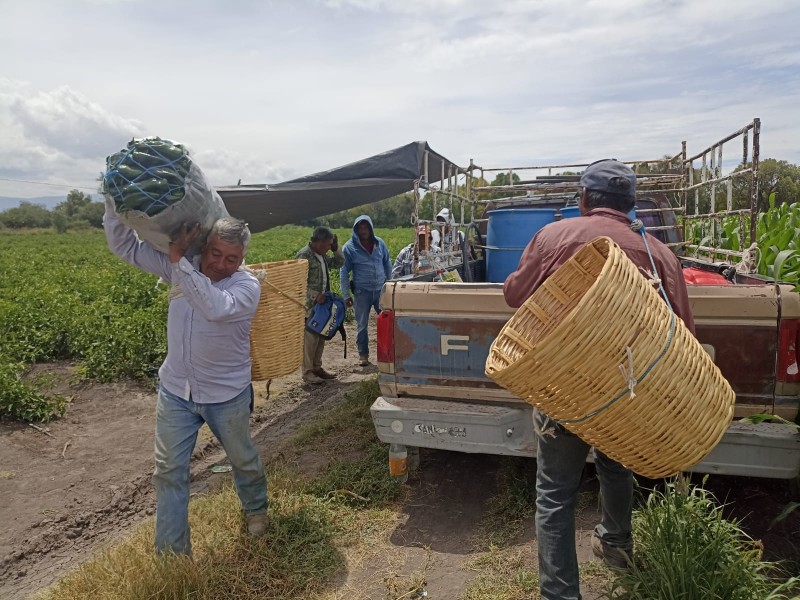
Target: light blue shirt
[208,324]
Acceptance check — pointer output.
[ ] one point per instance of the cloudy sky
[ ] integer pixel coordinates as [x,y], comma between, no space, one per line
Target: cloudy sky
[264,91]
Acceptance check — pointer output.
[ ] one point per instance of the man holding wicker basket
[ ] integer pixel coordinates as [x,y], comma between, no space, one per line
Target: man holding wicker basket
[608,193]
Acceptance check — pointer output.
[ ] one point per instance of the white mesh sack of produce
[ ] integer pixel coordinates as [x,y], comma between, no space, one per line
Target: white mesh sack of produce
[156,187]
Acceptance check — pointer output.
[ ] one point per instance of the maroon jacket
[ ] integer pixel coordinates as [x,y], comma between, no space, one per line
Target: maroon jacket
[555,243]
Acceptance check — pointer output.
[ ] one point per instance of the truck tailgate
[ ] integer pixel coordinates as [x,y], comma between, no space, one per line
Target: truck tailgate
[442,335]
[443,332]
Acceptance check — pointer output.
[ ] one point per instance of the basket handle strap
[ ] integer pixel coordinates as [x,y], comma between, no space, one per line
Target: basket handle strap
[284,294]
[261,275]
[638,226]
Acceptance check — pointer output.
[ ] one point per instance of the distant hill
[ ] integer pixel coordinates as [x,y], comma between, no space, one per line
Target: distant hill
[49,202]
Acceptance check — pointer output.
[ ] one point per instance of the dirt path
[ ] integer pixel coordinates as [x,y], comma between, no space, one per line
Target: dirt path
[85,481]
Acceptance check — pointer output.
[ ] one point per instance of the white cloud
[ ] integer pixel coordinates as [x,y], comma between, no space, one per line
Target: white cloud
[57,138]
[225,167]
[67,121]
[61,138]
[270,91]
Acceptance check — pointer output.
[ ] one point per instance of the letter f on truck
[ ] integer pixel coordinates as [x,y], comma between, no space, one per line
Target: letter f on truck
[450,342]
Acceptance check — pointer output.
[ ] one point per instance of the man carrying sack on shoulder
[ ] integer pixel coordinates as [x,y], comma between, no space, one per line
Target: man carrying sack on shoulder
[320,263]
[205,377]
[608,193]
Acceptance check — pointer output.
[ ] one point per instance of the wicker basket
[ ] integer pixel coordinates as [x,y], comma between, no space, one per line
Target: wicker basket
[565,352]
[276,338]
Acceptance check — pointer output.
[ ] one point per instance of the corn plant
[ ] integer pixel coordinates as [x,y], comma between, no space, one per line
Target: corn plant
[777,239]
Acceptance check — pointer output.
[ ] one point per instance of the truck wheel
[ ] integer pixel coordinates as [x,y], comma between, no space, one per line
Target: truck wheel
[413,458]
[794,489]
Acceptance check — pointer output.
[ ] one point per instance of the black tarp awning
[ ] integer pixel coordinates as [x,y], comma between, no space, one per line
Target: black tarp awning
[363,182]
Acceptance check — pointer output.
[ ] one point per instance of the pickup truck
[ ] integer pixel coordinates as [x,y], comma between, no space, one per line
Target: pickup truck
[433,338]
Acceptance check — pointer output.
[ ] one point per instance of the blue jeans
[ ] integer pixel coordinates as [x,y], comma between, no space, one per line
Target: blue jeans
[561,456]
[363,301]
[177,424]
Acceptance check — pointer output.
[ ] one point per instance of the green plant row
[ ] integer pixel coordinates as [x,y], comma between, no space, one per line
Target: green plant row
[66,297]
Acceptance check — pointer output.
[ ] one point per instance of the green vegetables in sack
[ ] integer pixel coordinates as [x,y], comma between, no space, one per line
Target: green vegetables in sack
[148,175]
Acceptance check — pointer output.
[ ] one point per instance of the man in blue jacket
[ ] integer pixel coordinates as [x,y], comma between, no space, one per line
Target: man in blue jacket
[367,258]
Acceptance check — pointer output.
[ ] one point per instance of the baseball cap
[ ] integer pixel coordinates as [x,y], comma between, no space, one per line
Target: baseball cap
[610,176]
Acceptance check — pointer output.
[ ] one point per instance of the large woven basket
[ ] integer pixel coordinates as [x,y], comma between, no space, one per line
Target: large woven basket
[276,338]
[566,352]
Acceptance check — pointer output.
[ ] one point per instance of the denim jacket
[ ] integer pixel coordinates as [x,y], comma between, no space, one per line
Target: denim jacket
[370,270]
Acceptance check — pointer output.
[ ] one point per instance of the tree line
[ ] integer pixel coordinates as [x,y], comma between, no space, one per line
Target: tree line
[79,210]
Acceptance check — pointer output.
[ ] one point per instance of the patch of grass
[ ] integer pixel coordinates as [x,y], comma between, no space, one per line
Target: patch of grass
[502,575]
[409,586]
[596,575]
[293,560]
[317,527]
[512,508]
[364,481]
[685,548]
[352,415]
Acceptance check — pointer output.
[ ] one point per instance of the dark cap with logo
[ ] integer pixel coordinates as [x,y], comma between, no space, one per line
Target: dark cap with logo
[610,176]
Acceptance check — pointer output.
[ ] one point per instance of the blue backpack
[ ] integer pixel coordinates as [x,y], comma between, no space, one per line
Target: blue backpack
[328,318]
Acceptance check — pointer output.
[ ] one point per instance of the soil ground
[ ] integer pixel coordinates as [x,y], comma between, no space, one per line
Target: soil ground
[81,482]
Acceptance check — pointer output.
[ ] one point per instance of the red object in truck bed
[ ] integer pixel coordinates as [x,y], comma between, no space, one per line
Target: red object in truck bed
[695,276]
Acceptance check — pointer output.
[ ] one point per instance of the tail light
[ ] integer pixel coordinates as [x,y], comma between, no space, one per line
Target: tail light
[386,336]
[787,352]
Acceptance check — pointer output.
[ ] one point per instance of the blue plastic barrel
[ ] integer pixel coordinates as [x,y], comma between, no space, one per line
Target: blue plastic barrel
[570,211]
[508,232]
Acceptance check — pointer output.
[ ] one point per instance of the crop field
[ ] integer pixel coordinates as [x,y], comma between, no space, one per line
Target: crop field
[66,297]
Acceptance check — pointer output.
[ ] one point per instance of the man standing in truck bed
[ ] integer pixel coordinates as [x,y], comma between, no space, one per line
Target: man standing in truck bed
[608,193]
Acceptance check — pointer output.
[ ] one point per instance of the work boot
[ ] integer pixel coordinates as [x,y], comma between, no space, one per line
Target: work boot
[363,360]
[257,524]
[312,378]
[617,559]
[324,374]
